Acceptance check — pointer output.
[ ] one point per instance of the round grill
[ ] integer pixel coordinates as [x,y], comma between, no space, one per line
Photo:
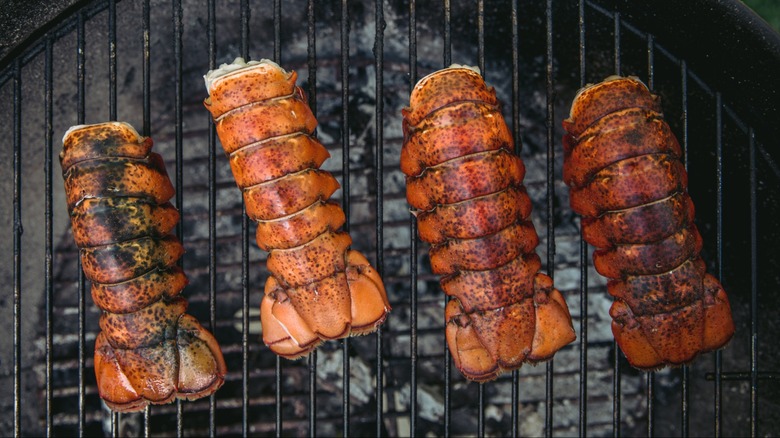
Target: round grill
[142,62]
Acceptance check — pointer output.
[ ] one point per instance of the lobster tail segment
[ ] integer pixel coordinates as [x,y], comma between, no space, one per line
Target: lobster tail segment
[465,183]
[623,166]
[149,350]
[319,289]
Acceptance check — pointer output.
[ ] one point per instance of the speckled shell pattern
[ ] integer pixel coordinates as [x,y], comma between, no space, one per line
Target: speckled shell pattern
[148,350]
[465,186]
[622,163]
[319,289]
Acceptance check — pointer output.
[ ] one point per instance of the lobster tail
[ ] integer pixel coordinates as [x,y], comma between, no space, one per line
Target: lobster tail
[318,289]
[465,184]
[148,350]
[623,166]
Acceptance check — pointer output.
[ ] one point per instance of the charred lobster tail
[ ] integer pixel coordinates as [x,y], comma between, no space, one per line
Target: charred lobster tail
[148,350]
[465,185]
[318,288]
[622,163]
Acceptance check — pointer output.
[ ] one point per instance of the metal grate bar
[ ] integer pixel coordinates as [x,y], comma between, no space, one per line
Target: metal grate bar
[481,64]
[684,95]
[81,84]
[147,80]
[550,196]
[277,19]
[146,131]
[176,15]
[17,244]
[112,109]
[651,61]
[147,424]
[719,251]
[481,35]
[379,59]
[311,58]
[413,245]
[447,60]
[650,374]
[515,396]
[684,400]
[345,201]
[744,376]
[312,64]
[211,30]
[245,12]
[244,321]
[685,396]
[278,394]
[49,264]
[481,410]
[447,51]
[583,256]
[344,52]
[753,285]
[583,389]
[313,394]
[616,377]
[650,382]
[616,392]
[112,59]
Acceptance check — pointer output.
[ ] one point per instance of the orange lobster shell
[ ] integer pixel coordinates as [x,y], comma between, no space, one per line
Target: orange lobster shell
[148,350]
[318,288]
[466,187]
[623,165]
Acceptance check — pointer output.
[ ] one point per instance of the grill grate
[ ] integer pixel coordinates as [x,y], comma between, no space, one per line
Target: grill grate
[536,54]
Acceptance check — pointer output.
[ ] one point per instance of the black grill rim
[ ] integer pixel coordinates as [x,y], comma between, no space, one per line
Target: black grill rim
[35,15]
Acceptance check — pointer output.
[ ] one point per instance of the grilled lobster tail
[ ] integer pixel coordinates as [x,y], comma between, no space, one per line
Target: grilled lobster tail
[623,165]
[466,187]
[148,350]
[318,288]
